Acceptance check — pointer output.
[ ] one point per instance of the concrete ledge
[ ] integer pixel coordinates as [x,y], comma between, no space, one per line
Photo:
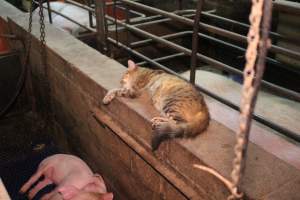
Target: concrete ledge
[8,10]
[79,78]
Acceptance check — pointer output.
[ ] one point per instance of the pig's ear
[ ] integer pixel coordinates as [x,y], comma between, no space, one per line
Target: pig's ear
[67,191]
[107,196]
[131,65]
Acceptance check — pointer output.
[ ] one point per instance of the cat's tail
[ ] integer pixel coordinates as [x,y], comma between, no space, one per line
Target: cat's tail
[182,129]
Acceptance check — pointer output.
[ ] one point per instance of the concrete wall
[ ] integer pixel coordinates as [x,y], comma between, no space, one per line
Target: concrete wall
[119,146]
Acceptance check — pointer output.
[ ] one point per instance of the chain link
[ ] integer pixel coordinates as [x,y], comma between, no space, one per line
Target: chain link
[248,97]
[42,36]
[43,53]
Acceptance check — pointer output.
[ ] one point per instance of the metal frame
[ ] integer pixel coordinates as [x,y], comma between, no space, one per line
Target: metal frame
[161,16]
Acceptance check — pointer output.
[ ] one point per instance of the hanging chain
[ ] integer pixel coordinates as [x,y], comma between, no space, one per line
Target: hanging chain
[43,54]
[258,42]
[253,73]
[42,36]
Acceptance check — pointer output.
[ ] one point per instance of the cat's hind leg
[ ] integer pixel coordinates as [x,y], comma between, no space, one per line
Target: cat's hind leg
[164,128]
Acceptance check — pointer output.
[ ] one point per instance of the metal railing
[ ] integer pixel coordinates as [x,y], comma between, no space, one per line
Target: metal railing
[183,17]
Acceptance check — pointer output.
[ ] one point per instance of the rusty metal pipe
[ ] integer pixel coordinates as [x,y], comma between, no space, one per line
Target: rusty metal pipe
[164,58]
[169,36]
[68,18]
[80,5]
[49,11]
[234,22]
[195,41]
[184,33]
[210,28]
[291,94]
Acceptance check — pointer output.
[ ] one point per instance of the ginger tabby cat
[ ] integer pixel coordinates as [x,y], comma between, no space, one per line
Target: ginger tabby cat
[183,112]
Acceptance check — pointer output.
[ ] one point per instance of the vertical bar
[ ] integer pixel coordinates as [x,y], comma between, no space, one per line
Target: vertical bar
[49,11]
[90,15]
[116,24]
[128,39]
[100,25]
[195,41]
[180,7]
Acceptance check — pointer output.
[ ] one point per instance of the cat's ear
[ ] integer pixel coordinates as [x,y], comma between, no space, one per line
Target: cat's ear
[131,65]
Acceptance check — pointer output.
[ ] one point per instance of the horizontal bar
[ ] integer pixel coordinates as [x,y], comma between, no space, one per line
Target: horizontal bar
[184,33]
[119,44]
[287,6]
[288,93]
[210,28]
[258,118]
[169,36]
[159,21]
[236,23]
[164,58]
[70,19]
[80,5]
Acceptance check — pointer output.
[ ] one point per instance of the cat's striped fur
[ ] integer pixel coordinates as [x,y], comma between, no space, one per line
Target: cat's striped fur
[183,112]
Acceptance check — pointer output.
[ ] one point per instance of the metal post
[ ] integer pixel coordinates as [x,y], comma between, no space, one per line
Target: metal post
[49,12]
[100,25]
[293,95]
[195,41]
[209,28]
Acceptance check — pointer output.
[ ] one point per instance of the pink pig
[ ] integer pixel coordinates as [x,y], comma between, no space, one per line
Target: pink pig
[74,180]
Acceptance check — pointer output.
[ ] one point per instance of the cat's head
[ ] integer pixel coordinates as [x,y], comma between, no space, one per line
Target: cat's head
[130,75]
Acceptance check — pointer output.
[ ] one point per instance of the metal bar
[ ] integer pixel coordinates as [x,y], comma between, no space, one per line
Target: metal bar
[287,6]
[49,12]
[258,118]
[178,47]
[237,23]
[119,44]
[89,3]
[169,36]
[80,5]
[179,4]
[164,58]
[183,33]
[70,19]
[210,28]
[132,11]
[195,41]
[291,94]
[128,37]
[101,26]
[116,24]
[158,21]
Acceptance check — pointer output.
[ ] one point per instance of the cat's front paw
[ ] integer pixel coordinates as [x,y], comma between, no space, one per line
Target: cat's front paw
[107,99]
